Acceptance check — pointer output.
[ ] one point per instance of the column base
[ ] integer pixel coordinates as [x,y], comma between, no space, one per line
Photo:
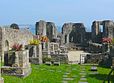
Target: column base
[1,80]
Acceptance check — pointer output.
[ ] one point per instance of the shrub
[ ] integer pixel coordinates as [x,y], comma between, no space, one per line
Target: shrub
[46,58]
[17,47]
[34,42]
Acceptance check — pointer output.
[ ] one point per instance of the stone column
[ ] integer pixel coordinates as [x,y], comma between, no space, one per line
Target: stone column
[44,46]
[68,38]
[39,52]
[34,52]
[48,49]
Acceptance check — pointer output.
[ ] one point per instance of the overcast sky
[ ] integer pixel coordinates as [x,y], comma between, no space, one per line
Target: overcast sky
[58,11]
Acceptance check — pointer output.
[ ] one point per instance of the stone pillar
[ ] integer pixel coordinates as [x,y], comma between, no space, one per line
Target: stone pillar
[44,45]
[68,38]
[17,58]
[34,52]
[39,52]
[48,49]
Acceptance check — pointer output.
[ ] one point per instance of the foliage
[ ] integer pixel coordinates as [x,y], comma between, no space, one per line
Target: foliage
[17,47]
[44,39]
[46,59]
[14,26]
[106,40]
[34,42]
[112,41]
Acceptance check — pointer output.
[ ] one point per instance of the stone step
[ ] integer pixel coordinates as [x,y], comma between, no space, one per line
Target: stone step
[83,79]
[64,81]
[82,82]
[68,79]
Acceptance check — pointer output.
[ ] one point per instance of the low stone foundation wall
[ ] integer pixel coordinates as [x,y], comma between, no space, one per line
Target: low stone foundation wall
[62,58]
[21,66]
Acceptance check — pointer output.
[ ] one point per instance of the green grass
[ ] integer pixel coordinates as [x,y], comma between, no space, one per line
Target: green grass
[98,78]
[44,74]
[54,74]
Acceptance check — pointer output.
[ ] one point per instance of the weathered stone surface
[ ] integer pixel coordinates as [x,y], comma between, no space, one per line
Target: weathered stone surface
[65,76]
[108,30]
[51,31]
[82,73]
[83,79]
[56,63]
[48,63]
[64,81]
[93,73]
[67,79]
[21,67]
[82,82]
[73,33]
[1,80]
[41,28]
[46,29]
[66,73]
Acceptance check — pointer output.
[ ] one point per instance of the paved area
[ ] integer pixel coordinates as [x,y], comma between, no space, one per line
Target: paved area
[74,56]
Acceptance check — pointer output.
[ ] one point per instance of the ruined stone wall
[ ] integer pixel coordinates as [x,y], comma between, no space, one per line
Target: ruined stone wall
[66,29]
[108,30]
[41,28]
[14,36]
[73,33]
[51,30]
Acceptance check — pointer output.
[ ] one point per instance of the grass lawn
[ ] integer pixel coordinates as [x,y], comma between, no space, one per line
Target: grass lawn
[45,74]
[54,74]
[98,78]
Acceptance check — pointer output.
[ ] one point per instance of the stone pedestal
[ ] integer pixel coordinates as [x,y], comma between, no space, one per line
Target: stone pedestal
[1,80]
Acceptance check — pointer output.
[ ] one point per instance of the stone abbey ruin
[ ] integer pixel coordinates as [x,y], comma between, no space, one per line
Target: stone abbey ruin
[17,52]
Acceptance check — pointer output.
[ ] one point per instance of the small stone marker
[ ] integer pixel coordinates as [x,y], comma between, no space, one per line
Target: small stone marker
[68,79]
[67,73]
[93,73]
[56,63]
[82,82]
[48,63]
[65,76]
[82,73]
[93,68]
[83,76]
[59,71]
[83,79]
[64,81]
[74,76]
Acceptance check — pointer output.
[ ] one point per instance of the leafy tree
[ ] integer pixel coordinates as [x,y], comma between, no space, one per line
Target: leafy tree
[14,26]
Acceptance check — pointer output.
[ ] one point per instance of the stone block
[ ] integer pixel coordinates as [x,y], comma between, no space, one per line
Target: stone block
[48,63]
[93,68]
[56,63]
[1,80]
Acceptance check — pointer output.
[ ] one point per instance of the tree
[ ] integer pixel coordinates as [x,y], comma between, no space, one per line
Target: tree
[14,26]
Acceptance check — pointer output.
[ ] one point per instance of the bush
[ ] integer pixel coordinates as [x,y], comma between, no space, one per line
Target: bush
[45,59]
